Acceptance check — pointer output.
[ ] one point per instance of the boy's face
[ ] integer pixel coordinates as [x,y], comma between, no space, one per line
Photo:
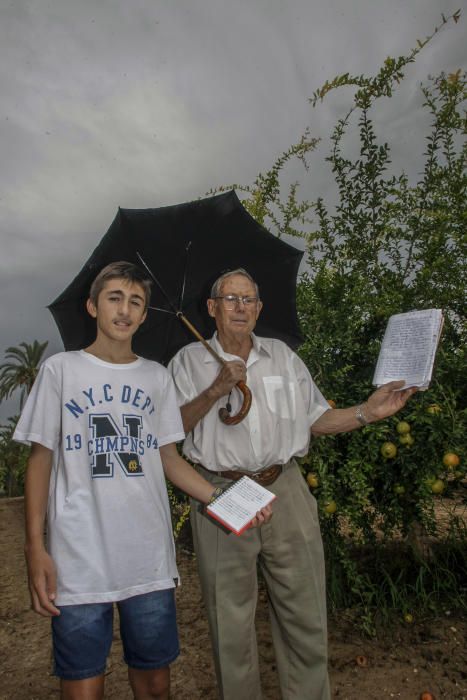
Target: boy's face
[120,309]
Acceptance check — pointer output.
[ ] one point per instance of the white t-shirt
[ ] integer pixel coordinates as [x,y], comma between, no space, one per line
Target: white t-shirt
[285,403]
[109,524]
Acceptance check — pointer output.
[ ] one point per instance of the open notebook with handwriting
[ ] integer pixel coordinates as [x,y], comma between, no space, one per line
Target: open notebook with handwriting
[238,505]
[409,347]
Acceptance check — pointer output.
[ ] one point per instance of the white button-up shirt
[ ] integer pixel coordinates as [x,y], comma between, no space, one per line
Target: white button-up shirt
[285,403]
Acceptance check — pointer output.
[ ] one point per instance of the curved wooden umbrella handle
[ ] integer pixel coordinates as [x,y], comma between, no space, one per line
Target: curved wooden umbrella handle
[225,416]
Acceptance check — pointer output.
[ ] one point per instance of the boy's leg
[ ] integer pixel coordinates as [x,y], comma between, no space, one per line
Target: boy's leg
[150,685]
[86,689]
[148,629]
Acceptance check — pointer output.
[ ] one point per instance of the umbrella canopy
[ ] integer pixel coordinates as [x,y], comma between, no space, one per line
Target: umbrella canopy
[186,247]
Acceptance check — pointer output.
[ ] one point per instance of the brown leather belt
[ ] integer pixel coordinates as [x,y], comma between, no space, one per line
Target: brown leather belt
[266,477]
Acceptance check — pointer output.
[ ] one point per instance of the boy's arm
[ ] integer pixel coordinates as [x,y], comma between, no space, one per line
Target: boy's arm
[183,475]
[186,478]
[41,568]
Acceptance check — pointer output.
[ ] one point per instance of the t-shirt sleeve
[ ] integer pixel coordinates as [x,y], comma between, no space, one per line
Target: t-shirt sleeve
[40,419]
[170,427]
[313,399]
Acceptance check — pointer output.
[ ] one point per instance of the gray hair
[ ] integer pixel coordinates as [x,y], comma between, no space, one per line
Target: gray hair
[217,286]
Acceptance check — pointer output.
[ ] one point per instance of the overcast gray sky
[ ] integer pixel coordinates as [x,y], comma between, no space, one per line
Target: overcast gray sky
[150,103]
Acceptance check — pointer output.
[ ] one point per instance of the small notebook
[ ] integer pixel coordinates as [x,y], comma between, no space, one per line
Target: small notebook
[238,505]
[409,347]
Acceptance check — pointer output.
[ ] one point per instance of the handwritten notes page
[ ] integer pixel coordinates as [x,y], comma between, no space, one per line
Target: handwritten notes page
[409,347]
[238,505]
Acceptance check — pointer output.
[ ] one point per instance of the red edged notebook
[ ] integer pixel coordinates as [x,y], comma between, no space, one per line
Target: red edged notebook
[238,505]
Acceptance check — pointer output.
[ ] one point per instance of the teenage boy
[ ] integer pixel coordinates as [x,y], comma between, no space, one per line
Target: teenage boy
[103,425]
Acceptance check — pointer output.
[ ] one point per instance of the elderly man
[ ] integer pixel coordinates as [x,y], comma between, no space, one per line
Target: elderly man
[287,408]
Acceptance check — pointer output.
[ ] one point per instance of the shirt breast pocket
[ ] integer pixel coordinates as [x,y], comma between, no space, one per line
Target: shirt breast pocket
[280,396]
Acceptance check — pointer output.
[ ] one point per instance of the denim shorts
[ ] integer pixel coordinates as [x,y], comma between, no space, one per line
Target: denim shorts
[82,635]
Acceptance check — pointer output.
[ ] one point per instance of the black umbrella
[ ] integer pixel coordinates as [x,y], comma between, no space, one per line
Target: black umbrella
[186,247]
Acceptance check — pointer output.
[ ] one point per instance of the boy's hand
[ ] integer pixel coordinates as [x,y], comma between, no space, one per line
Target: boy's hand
[262,516]
[42,582]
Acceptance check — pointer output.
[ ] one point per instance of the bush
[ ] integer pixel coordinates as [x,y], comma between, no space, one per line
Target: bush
[13,459]
[387,246]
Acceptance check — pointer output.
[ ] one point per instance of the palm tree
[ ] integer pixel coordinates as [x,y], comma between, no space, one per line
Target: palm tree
[20,369]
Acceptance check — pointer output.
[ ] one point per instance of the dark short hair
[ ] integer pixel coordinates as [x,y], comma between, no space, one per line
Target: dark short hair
[217,286]
[121,270]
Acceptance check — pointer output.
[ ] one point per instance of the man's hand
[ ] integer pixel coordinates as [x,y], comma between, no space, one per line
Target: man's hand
[42,582]
[262,516]
[230,374]
[387,400]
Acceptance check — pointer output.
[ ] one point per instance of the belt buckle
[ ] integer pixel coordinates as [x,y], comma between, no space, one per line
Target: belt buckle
[268,476]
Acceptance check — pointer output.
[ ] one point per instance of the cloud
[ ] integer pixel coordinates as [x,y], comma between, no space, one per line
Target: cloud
[150,103]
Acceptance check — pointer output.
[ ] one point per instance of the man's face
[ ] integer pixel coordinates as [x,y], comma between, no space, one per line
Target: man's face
[120,309]
[240,320]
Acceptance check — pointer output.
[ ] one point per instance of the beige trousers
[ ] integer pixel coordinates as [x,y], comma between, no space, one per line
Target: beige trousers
[289,551]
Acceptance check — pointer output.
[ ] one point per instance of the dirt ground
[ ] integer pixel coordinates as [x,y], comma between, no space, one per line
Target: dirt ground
[412,659]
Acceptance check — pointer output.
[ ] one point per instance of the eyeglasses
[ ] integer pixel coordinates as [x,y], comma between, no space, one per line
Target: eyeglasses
[230,301]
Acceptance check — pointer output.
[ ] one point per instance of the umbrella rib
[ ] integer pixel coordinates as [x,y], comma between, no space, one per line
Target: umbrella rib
[187,256]
[180,315]
[154,278]
[165,311]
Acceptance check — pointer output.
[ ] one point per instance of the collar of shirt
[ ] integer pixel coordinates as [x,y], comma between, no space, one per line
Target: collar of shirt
[256,351]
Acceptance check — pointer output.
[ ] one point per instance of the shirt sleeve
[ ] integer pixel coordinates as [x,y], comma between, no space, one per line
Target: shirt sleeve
[182,378]
[40,419]
[313,399]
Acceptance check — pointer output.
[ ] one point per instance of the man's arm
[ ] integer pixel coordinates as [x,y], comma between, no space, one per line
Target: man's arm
[41,568]
[382,403]
[230,374]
